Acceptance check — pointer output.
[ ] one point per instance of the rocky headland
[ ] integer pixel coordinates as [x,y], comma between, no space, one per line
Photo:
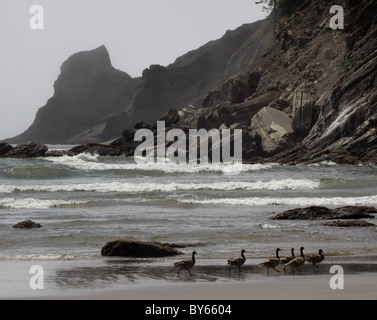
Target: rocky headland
[310,98]
[93,102]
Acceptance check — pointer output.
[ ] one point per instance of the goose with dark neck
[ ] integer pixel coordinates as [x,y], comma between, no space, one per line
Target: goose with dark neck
[239,261]
[186,264]
[296,263]
[316,259]
[288,259]
[271,263]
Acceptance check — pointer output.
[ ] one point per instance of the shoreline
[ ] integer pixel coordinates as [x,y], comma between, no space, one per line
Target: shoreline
[294,155]
[357,287]
[122,280]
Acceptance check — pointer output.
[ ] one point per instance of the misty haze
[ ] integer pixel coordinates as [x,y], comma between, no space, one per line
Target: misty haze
[136,33]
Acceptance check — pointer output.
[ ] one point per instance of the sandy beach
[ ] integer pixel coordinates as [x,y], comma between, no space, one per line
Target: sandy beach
[137,280]
[358,287]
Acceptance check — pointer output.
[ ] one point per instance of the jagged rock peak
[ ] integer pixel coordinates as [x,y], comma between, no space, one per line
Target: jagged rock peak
[98,57]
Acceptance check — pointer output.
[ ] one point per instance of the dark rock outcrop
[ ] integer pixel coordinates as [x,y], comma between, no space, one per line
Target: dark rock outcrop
[27,150]
[300,154]
[323,213]
[27,224]
[349,224]
[137,249]
[113,149]
[5,148]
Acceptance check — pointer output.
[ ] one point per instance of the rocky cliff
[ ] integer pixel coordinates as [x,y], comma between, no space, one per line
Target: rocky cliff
[87,89]
[94,102]
[311,98]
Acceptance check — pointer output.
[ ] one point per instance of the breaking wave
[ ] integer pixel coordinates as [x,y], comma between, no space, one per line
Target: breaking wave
[299,201]
[90,162]
[287,184]
[31,203]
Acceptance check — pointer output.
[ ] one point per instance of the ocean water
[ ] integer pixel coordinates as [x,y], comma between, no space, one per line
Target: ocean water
[83,202]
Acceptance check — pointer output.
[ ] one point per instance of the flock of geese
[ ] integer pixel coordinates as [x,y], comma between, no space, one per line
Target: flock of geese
[292,262]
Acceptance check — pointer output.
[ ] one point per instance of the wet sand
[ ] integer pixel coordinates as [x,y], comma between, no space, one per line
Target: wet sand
[147,280]
[357,287]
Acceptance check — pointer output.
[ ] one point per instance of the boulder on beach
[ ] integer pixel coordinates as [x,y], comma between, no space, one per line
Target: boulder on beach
[138,249]
[323,213]
[27,224]
[275,129]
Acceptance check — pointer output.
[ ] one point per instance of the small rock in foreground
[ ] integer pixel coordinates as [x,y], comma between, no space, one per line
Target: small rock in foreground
[28,224]
[137,249]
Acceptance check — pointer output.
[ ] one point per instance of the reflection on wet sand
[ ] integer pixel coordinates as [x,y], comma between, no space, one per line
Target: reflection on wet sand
[118,273]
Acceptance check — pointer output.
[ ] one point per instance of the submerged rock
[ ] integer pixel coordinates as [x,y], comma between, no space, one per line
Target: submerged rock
[137,249]
[349,224]
[323,213]
[27,224]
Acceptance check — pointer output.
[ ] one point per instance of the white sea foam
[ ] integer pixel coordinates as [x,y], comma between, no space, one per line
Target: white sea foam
[287,184]
[299,201]
[45,257]
[90,162]
[31,203]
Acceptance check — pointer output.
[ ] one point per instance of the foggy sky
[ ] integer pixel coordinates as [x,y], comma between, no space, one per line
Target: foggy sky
[137,33]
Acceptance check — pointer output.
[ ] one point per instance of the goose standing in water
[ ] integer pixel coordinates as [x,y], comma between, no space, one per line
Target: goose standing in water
[288,259]
[296,263]
[237,261]
[186,264]
[316,259]
[271,263]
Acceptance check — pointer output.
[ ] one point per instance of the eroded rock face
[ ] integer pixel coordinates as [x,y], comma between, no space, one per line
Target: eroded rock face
[311,98]
[275,129]
[304,113]
[137,249]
